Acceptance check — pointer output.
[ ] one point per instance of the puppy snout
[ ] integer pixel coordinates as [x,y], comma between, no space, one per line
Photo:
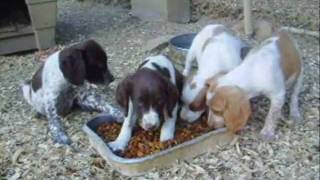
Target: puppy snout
[150,127]
[188,115]
[150,120]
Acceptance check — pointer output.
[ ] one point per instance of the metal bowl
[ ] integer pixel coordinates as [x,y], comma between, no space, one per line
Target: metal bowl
[179,46]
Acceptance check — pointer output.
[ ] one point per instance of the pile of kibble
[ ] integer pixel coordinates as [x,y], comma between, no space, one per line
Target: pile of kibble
[144,143]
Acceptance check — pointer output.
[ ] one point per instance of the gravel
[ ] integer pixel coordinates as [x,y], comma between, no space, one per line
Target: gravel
[27,152]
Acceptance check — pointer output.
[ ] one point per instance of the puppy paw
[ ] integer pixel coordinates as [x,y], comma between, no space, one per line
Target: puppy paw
[117,146]
[61,138]
[267,135]
[165,136]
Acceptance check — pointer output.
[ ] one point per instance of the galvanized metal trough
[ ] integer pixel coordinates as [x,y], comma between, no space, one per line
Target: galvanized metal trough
[139,166]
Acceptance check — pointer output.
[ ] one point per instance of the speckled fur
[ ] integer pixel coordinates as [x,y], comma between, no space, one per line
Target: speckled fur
[57,97]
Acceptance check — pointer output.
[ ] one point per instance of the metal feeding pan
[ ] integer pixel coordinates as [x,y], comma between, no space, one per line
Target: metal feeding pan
[139,166]
[179,46]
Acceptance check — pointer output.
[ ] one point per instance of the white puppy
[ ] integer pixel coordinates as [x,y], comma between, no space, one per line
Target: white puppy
[267,70]
[216,50]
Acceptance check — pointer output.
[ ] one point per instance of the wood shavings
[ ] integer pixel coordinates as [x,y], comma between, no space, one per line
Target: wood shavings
[238,149]
[18,127]
[16,155]
[234,140]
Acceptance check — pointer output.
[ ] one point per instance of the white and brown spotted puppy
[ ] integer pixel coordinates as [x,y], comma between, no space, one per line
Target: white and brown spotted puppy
[268,70]
[151,96]
[60,83]
[216,50]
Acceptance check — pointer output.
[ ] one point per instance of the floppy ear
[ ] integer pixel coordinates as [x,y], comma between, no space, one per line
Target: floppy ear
[72,65]
[199,102]
[173,96]
[123,92]
[218,102]
[238,111]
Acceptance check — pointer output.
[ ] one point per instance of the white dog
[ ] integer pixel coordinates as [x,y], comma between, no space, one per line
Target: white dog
[267,70]
[216,50]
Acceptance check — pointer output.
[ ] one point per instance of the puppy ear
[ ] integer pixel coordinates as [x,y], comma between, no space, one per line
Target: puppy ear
[199,102]
[238,110]
[218,102]
[123,92]
[72,65]
[173,95]
[211,82]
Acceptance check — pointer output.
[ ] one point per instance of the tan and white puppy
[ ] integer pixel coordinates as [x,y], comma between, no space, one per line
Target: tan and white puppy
[216,49]
[268,70]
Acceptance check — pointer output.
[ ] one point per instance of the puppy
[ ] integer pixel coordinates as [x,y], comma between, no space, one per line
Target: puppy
[150,95]
[268,70]
[60,83]
[216,50]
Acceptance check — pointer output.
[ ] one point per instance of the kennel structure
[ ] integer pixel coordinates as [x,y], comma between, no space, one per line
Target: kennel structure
[27,25]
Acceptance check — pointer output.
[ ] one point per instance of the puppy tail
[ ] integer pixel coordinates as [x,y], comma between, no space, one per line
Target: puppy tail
[198,45]
[26,90]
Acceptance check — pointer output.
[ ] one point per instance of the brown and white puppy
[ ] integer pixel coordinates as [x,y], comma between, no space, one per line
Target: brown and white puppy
[59,83]
[268,70]
[151,96]
[215,50]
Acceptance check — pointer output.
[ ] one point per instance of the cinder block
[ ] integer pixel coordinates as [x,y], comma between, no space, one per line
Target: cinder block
[162,10]
[45,38]
[39,34]
[43,15]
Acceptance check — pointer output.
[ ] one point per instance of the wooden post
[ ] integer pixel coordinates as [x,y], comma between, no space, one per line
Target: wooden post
[247,17]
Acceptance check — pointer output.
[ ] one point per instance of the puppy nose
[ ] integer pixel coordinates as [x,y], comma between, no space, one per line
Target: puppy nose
[112,78]
[150,126]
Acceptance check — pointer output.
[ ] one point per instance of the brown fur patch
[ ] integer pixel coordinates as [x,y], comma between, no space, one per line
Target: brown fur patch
[36,81]
[232,103]
[290,58]
[216,31]
[199,103]
[212,82]
[221,29]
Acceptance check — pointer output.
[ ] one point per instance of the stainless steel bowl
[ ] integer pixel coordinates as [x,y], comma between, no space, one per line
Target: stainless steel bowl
[179,46]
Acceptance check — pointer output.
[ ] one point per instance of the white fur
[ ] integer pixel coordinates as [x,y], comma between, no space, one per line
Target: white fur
[162,61]
[195,51]
[126,130]
[168,128]
[221,54]
[150,119]
[261,74]
[53,82]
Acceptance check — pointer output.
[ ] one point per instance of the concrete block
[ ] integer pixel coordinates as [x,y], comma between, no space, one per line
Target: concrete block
[43,13]
[162,10]
[45,38]
[18,41]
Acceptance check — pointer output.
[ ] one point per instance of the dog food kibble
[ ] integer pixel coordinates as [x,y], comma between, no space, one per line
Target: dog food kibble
[144,143]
